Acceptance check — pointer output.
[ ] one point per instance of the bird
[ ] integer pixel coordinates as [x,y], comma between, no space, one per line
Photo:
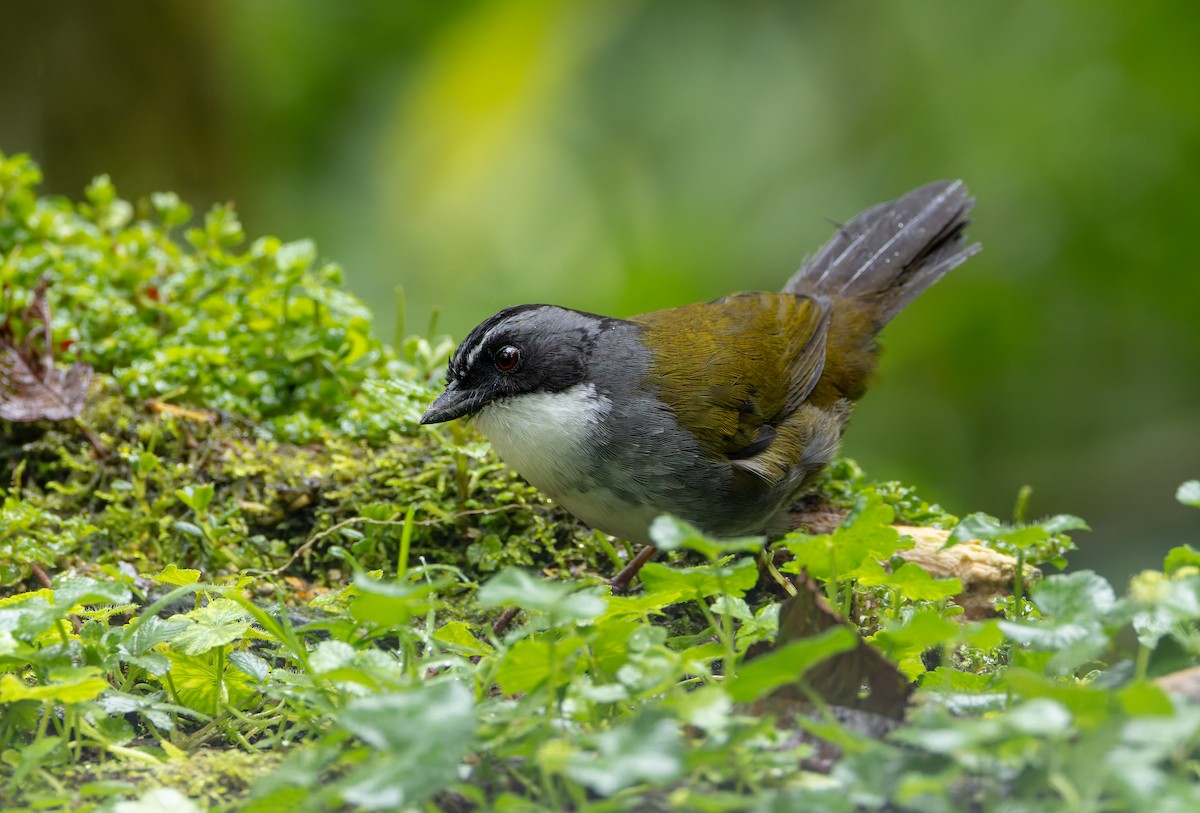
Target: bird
[719,413]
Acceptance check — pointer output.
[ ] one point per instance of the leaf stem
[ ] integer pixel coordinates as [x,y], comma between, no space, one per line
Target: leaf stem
[405,543]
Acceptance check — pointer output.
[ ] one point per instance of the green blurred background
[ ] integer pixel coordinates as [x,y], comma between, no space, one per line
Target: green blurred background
[623,155]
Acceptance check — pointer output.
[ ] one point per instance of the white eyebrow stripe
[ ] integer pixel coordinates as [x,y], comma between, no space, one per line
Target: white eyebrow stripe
[470,359]
[477,348]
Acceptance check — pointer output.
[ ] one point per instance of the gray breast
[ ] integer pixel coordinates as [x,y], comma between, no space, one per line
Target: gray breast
[645,456]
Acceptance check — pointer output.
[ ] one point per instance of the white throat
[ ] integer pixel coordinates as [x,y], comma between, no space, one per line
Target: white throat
[544,435]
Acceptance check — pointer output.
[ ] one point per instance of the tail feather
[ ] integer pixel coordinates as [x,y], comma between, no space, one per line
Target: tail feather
[889,254]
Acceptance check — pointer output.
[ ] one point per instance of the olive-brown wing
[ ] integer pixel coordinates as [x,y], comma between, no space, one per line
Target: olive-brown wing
[735,368]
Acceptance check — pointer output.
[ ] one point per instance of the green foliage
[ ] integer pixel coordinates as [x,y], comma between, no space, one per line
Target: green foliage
[414,742]
[1034,543]
[32,533]
[844,483]
[552,600]
[592,700]
[866,537]
[262,331]
[1037,543]
[314,622]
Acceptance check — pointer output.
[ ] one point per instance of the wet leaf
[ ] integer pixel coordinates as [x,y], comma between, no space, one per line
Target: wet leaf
[220,622]
[558,600]
[418,739]
[647,750]
[670,533]
[675,584]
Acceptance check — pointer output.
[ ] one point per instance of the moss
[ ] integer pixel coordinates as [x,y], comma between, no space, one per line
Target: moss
[220,779]
[269,497]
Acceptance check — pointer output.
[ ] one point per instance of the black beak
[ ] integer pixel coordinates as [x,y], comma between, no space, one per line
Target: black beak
[452,403]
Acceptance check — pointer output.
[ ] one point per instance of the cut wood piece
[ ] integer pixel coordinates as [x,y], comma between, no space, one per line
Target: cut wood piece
[985,574]
[1184,683]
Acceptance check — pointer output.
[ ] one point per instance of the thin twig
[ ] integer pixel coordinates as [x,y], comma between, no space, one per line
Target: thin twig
[102,451]
[768,562]
[45,581]
[501,624]
[40,575]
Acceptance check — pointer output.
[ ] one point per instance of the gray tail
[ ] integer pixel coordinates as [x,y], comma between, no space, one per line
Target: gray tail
[886,256]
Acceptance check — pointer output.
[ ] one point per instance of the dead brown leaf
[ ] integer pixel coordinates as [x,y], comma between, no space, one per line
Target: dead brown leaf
[861,679]
[31,387]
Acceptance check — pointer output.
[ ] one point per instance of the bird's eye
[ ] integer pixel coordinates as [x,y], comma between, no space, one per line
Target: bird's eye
[507,358]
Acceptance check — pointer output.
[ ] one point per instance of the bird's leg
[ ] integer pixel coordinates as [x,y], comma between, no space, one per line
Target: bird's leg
[620,582]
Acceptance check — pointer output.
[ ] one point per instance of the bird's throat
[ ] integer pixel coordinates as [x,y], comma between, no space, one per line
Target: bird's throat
[546,436]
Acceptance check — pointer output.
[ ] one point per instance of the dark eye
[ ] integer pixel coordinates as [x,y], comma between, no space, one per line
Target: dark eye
[507,358]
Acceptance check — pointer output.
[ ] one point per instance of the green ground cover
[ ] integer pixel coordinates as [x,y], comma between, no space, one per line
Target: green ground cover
[235,574]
